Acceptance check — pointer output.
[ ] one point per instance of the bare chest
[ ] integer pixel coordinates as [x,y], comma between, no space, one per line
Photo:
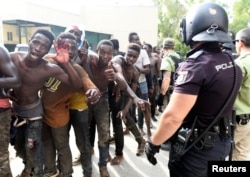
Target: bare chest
[33,75]
[99,78]
[128,75]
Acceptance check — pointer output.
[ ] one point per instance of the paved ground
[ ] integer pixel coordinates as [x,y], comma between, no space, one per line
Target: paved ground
[131,166]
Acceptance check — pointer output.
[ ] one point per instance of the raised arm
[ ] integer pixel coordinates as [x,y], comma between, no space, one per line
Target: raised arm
[70,76]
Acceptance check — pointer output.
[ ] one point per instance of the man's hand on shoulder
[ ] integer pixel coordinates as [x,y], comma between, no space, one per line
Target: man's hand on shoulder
[50,57]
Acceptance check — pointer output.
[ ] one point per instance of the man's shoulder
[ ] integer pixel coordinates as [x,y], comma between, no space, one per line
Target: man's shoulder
[156,56]
[243,58]
[77,67]
[92,56]
[243,62]
[49,65]
[169,58]
[49,59]
[117,59]
[18,55]
[174,54]
[3,52]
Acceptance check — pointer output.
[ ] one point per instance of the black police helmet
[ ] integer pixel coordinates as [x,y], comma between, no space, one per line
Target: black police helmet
[205,22]
[229,45]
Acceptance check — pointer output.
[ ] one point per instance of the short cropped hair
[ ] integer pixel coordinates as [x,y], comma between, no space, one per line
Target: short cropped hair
[134,46]
[66,35]
[46,33]
[105,42]
[244,36]
[130,35]
[115,43]
[149,46]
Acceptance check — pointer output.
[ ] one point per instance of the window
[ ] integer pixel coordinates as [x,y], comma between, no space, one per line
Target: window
[9,36]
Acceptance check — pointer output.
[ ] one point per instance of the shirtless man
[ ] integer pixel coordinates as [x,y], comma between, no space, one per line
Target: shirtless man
[101,71]
[9,78]
[56,98]
[34,72]
[78,106]
[155,64]
[120,103]
[143,66]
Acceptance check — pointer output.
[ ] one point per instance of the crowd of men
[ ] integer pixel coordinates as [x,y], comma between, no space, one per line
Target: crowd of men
[43,95]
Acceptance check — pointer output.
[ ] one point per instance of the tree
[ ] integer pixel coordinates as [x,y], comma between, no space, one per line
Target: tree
[241,15]
[170,12]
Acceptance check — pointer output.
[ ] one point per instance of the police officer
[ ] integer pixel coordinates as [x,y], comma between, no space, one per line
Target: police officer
[169,64]
[198,95]
[242,103]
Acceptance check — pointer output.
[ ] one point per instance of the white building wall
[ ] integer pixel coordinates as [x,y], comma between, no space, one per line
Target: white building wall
[121,20]
[117,20]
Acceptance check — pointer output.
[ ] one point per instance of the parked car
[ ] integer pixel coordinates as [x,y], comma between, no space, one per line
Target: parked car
[21,47]
[24,48]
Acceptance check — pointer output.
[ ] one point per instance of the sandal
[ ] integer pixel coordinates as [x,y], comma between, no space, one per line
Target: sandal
[117,160]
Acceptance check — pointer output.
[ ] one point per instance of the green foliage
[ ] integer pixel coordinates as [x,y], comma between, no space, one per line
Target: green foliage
[172,11]
[241,15]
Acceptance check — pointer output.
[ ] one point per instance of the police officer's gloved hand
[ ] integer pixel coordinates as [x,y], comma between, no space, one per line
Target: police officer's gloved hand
[150,151]
[160,100]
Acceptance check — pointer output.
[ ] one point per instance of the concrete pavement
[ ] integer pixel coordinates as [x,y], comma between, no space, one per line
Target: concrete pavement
[131,166]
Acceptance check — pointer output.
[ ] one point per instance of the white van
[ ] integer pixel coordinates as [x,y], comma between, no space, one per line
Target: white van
[24,48]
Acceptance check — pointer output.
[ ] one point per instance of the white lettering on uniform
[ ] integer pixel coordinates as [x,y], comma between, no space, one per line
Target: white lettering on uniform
[224,66]
[182,75]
